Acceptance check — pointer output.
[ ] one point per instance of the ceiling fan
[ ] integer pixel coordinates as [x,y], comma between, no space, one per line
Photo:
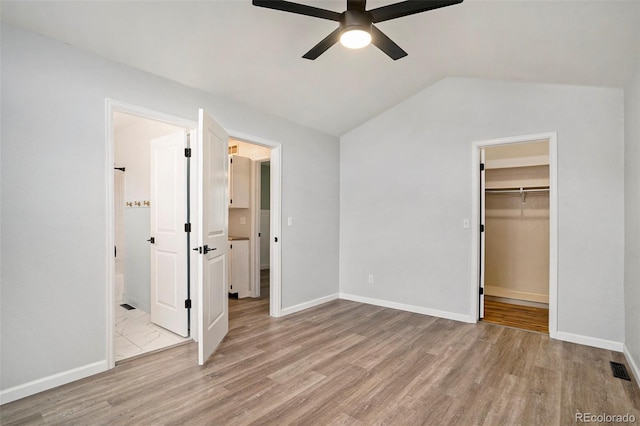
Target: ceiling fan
[356,28]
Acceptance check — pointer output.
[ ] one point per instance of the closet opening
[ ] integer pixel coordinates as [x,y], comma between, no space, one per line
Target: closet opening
[516,282]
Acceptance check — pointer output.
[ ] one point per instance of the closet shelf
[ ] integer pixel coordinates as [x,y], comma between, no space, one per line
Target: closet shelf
[522,191]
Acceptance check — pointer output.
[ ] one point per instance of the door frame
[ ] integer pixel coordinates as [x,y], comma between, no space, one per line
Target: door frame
[552,138]
[111,106]
[257,198]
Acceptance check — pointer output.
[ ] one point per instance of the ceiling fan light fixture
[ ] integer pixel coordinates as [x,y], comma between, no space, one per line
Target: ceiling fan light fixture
[355,38]
[355,29]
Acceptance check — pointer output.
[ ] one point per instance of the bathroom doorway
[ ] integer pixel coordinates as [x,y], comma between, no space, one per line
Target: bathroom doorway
[274,301]
[136,140]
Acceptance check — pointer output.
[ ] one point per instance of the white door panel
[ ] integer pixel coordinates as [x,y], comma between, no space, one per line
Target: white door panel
[169,248]
[213,315]
[215,299]
[167,269]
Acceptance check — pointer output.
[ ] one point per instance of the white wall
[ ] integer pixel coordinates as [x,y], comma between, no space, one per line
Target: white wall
[406,186]
[132,151]
[54,219]
[632,220]
[236,227]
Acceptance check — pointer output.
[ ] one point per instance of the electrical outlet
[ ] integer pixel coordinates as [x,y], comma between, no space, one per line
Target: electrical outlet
[243,220]
[370,279]
[289,221]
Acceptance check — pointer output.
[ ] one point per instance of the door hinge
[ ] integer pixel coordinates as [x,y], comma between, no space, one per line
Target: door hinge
[481,291]
[481,228]
[230,201]
[230,246]
[187,152]
[231,160]
[259,235]
[187,304]
[481,166]
[275,239]
[187,227]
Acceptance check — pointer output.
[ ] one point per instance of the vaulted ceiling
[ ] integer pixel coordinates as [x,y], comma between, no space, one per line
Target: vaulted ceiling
[253,55]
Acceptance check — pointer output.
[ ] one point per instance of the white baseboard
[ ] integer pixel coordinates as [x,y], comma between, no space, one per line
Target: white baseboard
[490,290]
[306,305]
[409,308]
[633,364]
[518,302]
[590,341]
[50,382]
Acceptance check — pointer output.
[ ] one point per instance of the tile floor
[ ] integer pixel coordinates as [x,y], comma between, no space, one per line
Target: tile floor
[136,334]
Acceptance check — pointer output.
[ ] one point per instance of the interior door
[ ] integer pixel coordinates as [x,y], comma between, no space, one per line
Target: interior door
[213,314]
[482,233]
[168,209]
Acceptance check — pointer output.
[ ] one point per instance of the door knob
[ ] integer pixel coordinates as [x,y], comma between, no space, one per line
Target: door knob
[206,249]
[152,240]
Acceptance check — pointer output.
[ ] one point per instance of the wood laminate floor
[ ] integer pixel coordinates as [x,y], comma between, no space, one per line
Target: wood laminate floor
[525,317]
[346,363]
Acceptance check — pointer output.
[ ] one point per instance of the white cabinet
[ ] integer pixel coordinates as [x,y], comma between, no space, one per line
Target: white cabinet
[239,182]
[239,267]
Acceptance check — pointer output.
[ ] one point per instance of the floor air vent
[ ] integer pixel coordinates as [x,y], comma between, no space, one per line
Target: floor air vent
[619,370]
[128,307]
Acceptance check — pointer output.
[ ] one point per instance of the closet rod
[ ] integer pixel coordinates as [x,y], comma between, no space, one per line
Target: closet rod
[517,191]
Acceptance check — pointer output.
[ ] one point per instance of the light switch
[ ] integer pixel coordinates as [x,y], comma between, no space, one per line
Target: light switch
[465,223]
[289,221]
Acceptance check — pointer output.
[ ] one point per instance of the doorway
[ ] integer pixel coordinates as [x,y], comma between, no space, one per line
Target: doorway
[200,281]
[249,226]
[146,184]
[515,243]
[516,234]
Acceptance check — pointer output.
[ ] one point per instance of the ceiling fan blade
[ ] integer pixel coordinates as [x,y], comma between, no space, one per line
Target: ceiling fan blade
[385,44]
[406,8]
[300,9]
[322,47]
[356,5]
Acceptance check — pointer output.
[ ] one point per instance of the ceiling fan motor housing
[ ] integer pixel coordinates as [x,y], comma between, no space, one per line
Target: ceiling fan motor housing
[355,20]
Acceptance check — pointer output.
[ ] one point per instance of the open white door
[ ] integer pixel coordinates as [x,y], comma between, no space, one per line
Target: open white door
[213,314]
[168,240]
[482,232]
